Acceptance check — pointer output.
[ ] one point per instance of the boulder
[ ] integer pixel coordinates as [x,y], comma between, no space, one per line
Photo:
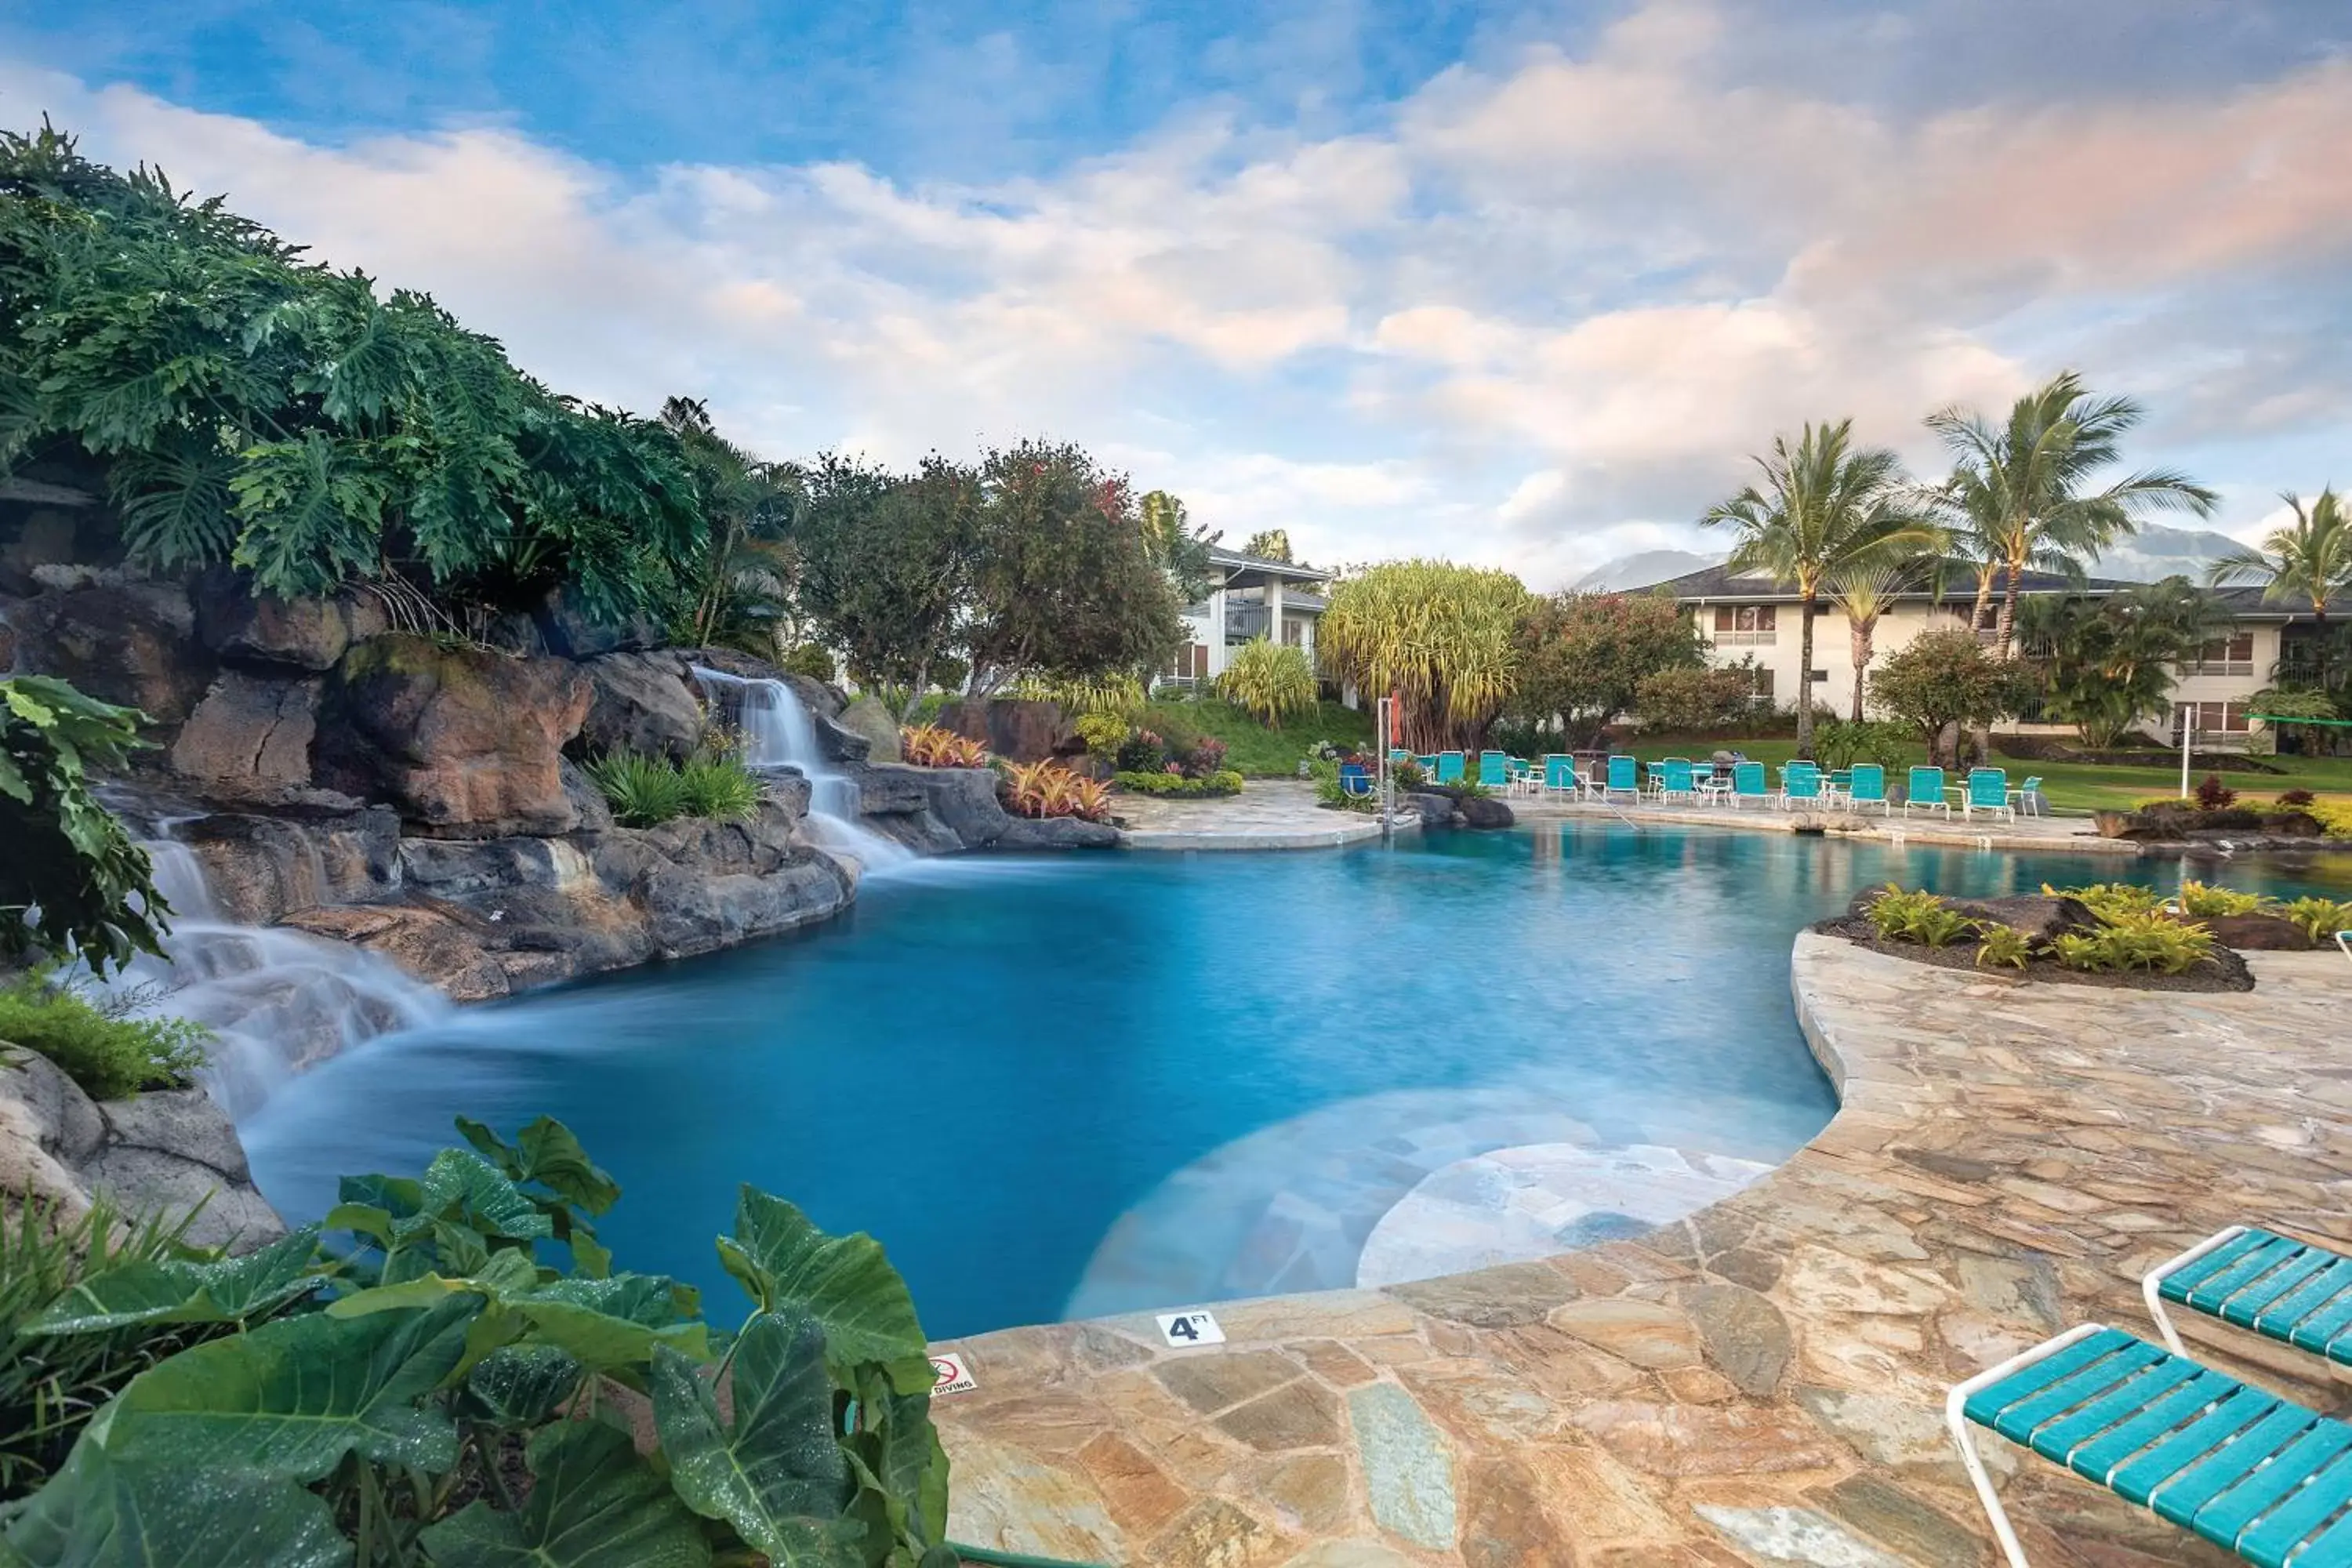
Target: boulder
[1484,811]
[932,811]
[640,703]
[569,632]
[427,943]
[463,742]
[243,627]
[1055,833]
[596,811]
[1015,729]
[2040,918]
[1436,810]
[836,741]
[248,741]
[261,867]
[129,643]
[2257,933]
[865,716]
[164,1154]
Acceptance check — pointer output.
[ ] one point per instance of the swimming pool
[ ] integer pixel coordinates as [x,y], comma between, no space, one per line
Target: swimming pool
[1075,1085]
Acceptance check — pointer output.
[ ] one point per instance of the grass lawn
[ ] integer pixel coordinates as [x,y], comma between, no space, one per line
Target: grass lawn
[1251,749]
[2071,787]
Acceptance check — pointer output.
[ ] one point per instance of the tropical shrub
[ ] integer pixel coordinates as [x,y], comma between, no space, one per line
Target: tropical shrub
[1181,786]
[644,791]
[1944,678]
[720,788]
[1842,743]
[2334,816]
[72,884]
[1116,693]
[1689,701]
[2296,799]
[2200,901]
[1271,681]
[2320,919]
[1918,916]
[108,1053]
[2110,900]
[2212,795]
[1582,659]
[2107,664]
[459,1330]
[1049,789]
[1143,752]
[1102,732]
[929,746]
[1205,756]
[2004,946]
[811,659]
[2143,940]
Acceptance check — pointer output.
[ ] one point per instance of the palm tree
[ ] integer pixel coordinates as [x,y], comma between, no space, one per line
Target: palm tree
[2021,488]
[744,566]
[2311,559]
[1864,591]
[1823,509]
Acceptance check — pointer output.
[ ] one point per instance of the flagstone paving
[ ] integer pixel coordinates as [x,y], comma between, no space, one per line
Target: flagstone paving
[1269,814]
[1759,1383]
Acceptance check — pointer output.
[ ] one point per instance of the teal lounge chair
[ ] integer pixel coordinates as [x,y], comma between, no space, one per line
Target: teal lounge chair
[2344,941]
[1679,780]
[1494,769]
[1867,787]
[1624,778]
[1800,783]
[2292,1291]
[1449,767]
[2249,1472]
[1747,784]
[1428,766]
[1560,777]
[1988,791]
[1399,757]
[2027,798]
[1923,791]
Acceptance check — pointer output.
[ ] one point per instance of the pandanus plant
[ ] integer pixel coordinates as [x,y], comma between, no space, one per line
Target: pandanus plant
[1438,635]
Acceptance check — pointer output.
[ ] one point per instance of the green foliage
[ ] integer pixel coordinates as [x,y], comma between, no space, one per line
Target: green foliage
[2212,795]
[1251,749]
[2335,817]
[1177,787]
[247,405]
[2146,940]
[887,562]
[1329,791]
[1270,681]
[2320,919]
[811,659]
[1103,732]
[2003,946]
[364,1398]
[1444,638]
[2107,664]
[1694,700]
[739,568]
[1584,657]
[1842,743]
[1270,544]
[1181,550]
[108,1053]
[71,883]
[2200,901]
[2110,900]
[1918,916]
[644,790]
[1942,678]
[1118,693]
[2310,560]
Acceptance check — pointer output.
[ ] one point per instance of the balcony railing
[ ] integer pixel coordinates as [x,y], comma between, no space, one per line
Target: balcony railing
[1746,639]
[2217,667]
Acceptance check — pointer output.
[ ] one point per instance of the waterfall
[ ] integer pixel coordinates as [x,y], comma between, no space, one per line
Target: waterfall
[276,1000]
[779,733]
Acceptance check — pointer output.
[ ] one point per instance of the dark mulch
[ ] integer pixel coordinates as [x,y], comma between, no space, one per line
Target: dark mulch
[2228,971]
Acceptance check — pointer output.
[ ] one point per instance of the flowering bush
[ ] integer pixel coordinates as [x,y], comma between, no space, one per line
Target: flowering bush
[1141,752]
[2212,795]
[1206,756]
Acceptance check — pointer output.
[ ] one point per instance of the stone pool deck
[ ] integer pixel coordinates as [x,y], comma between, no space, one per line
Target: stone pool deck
[1269,814]
[1761,1384]
[2066,835]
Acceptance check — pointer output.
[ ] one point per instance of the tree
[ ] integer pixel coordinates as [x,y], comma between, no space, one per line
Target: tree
[1065,583]
[1689,701]
[1181,547]
[1862,592]
[2107,664]
[887,566]
[741,569]
[72,885]
[1271,681]
[1941,679]
[1584,657]
[2310,560]
[1825,508]
[1440,636]
[2021,489]
[1273,544]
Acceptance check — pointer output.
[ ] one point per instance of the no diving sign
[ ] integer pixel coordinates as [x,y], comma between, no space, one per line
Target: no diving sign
[1191,1329]
[950,1376]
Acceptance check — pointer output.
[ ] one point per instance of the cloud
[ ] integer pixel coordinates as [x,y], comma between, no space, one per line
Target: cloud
[1535,313]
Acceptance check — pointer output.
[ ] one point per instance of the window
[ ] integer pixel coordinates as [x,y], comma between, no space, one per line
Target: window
[1191,663]
[2225,655]
[1745,626]
[1292,631]
[2219,718]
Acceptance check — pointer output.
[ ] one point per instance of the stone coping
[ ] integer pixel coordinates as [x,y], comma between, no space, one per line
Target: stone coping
[1761,1382]
[1269,814]
[2065,834]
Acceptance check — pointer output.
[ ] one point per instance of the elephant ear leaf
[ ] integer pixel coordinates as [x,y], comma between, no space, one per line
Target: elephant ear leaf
[593,1504]
[173,1291]
[845,1282]
[461,1185]
[775,1473]
[547,1151]
[520,1385]
[612,1325]
[98,1513]
[292,1398]
[900,1468]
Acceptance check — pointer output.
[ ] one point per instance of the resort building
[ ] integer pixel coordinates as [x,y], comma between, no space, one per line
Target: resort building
[1755,618]
[1249,597]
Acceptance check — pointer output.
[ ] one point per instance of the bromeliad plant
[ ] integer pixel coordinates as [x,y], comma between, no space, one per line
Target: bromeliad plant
[929,746]
[439,1386]
[1048,789]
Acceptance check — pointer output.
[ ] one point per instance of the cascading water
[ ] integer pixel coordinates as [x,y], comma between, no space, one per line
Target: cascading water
[276,1000]
[779,733]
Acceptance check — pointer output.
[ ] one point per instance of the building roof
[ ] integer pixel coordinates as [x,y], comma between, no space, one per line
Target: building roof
[1234,560]
[1719,583]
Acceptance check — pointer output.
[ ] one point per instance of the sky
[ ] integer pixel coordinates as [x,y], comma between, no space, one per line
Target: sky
[1519,284]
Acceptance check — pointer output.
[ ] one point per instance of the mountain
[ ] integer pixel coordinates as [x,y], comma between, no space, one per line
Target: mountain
[2153,553]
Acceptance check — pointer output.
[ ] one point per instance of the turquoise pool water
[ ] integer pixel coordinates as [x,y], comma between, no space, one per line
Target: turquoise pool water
[1095,1083]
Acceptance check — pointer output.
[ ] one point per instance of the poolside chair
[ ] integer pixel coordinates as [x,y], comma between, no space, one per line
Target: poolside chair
[2295,1292]
[1624,778]
[1355,779]
[1867,787]
[1399,756]
[1747,784]
[1428,766]
[1988,791]
[2252,1473]
[1800,783]
[1679,780]
[1923,791]
[2344,941]
[1449,767]
[2027,798]
[1494,769]
[1560,777]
